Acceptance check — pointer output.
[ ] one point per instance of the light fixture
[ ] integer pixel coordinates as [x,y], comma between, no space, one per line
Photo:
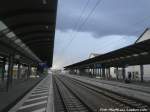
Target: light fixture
[22,45]
[144,53]
[18,41]
[10,35]
[2,26]
[135,55]
[46,26]
[44,2]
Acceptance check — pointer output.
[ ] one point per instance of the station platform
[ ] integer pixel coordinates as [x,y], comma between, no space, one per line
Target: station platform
[135,91]
[16,92]
[39,99]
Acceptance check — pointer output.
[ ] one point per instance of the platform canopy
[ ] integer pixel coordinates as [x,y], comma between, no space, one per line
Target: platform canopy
[135,54]
[33,22]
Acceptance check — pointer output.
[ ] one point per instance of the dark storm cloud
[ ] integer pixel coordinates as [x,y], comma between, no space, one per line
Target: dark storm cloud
[122,17]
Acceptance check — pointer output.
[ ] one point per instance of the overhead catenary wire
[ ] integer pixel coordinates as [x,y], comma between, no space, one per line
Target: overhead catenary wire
[75,26]
[86,19]
[82,24]
[81,15]
[136,31]
[77,23]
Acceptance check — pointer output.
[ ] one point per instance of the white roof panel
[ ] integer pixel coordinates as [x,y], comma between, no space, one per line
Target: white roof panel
[145,36]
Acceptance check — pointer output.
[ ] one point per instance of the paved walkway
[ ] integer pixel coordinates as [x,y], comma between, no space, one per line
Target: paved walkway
[39,99]
[15,93]
[131,90]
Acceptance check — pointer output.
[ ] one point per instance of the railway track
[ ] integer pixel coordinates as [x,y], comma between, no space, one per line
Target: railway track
[69,101]
[58,101]
[121,101]
[135,88]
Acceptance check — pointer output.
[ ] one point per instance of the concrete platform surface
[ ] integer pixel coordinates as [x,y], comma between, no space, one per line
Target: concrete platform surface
[15,93]
[131,90]
[39,99]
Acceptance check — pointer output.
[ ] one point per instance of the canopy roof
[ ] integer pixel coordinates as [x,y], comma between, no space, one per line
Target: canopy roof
[135,54]
[33,21]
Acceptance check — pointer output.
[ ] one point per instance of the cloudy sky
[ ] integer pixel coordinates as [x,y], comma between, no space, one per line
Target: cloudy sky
[97,26]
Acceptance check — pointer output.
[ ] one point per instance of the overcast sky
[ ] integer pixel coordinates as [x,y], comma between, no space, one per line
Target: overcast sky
[111,25]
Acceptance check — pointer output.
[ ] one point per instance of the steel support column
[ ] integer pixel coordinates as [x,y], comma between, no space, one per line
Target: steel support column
[108,73]
[29,71]
[10,71]
[123,73]
[142,72]
[100,72]
[97,72]
[117,73]
[94,72]
[3,69]
[90,72]
[103,72]
[18,71]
